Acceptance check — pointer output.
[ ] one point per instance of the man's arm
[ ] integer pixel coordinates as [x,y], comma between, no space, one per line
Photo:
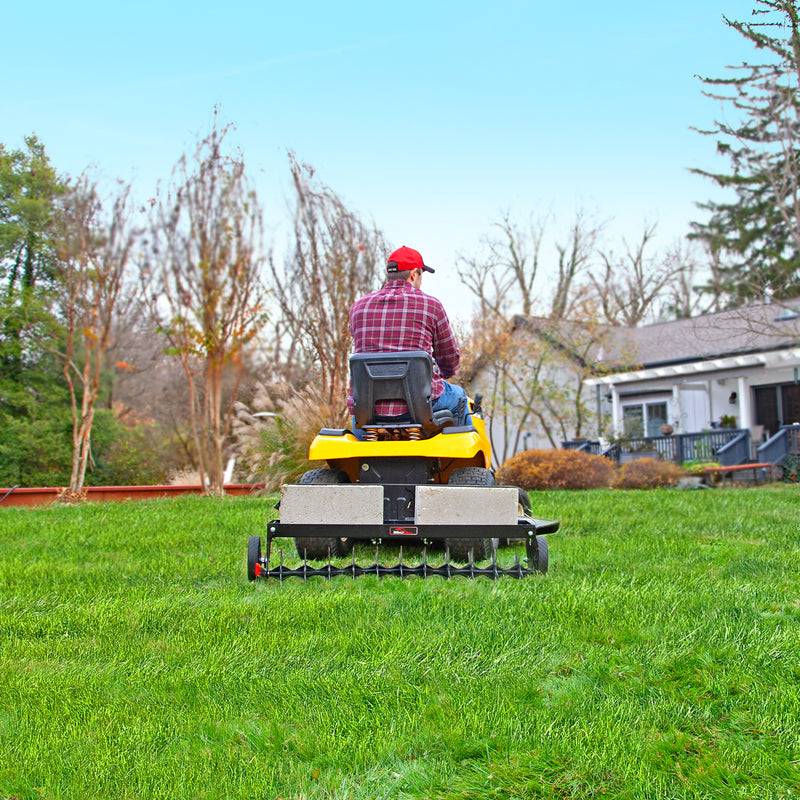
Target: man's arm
[445,348]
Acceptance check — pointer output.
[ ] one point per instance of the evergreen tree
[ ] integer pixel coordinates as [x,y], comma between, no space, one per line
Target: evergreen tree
[29,191]
[756,235]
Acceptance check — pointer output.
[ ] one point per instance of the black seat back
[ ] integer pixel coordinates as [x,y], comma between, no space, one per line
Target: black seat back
[404,376]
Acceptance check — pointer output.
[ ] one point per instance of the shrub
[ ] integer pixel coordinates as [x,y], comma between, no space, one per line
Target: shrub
[648,473]
[275,449]
[556,469]
[791,468]
[139,453]
[35,452]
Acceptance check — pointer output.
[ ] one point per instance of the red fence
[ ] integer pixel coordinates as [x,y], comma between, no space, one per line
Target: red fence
[45,495]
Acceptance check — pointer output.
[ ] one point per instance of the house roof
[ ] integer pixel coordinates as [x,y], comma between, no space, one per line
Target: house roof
[707,341]
[739,331]
[751,336]
[750,329]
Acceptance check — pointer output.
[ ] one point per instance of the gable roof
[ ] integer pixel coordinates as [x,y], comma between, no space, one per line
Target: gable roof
[739,331]
[704,341]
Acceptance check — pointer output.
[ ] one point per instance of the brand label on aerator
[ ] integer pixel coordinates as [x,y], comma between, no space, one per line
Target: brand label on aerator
[398,531]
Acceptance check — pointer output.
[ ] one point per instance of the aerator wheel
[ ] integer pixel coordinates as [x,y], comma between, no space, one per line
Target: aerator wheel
[542,555]
[317,548]
[253,556]
[482,549]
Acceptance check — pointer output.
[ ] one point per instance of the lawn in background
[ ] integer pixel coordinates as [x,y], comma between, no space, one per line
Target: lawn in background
[660,658]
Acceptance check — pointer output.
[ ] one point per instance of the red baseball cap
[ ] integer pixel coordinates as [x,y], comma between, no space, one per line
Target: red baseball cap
[404,259]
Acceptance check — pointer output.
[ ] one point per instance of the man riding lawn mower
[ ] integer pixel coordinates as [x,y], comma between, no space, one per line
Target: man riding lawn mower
[416,469]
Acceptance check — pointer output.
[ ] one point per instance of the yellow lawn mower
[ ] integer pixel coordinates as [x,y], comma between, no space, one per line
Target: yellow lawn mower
[422,479]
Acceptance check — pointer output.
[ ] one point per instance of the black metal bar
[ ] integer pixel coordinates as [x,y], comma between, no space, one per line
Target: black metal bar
[526,526]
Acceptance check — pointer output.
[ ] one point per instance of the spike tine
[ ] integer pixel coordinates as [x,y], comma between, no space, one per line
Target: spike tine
[425,562]
[353,561]
[517,565]
[471,564]
[280,568]
[377,564]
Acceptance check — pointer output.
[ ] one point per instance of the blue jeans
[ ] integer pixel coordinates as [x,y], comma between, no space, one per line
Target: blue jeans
[447,400]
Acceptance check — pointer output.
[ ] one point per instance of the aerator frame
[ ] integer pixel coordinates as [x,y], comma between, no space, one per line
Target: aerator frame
[530,530]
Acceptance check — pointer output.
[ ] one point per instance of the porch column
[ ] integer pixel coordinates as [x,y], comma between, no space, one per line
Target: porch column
[616,411]
[676,407]
[710,392]
[745,409]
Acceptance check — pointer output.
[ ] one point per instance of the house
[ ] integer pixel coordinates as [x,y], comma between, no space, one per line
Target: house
[735,369]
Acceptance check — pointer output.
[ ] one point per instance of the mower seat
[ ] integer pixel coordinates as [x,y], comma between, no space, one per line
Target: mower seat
[404,376]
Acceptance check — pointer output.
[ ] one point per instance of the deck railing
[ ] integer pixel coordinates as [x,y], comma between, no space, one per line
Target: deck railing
[732,445]
[785,442]
[737,451]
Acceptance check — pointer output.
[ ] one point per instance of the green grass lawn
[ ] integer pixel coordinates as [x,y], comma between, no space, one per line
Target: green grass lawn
[660,658]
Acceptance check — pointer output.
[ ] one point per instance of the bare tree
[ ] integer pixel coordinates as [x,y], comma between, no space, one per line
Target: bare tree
[682,296]
[531,365]
[509,266]
[531,372]
[334,259]
[574,255]
[510,276]
[94,255]
[203,285]
[631,285]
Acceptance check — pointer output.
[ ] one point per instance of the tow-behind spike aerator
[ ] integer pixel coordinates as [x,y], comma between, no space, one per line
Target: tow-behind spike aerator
[424,479]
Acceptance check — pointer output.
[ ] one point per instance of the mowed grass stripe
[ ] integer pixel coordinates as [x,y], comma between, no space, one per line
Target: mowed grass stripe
[659,658]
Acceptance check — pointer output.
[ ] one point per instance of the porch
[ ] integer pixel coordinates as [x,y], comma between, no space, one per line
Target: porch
[728,447]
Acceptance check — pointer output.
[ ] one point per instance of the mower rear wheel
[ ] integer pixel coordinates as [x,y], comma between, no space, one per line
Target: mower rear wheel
[483,548]
[317,548]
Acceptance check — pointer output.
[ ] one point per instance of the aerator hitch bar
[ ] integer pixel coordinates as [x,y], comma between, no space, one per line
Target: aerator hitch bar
[258,564]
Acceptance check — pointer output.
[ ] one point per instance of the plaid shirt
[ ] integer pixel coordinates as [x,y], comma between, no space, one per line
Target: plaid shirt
[400,317]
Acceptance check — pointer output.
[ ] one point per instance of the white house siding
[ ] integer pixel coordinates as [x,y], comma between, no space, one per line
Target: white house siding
[698,401]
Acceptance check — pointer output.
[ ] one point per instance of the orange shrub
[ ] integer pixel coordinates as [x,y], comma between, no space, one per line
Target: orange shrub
[648,473]
[556,469]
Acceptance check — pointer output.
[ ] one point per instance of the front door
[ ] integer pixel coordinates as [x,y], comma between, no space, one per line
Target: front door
[791,403]
[776,406]
[766,398]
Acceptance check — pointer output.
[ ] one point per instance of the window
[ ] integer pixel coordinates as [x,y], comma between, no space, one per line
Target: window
[656,417]
[644,419]
[632,421]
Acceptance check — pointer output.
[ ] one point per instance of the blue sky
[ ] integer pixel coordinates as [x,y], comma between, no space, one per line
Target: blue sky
[431,118]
